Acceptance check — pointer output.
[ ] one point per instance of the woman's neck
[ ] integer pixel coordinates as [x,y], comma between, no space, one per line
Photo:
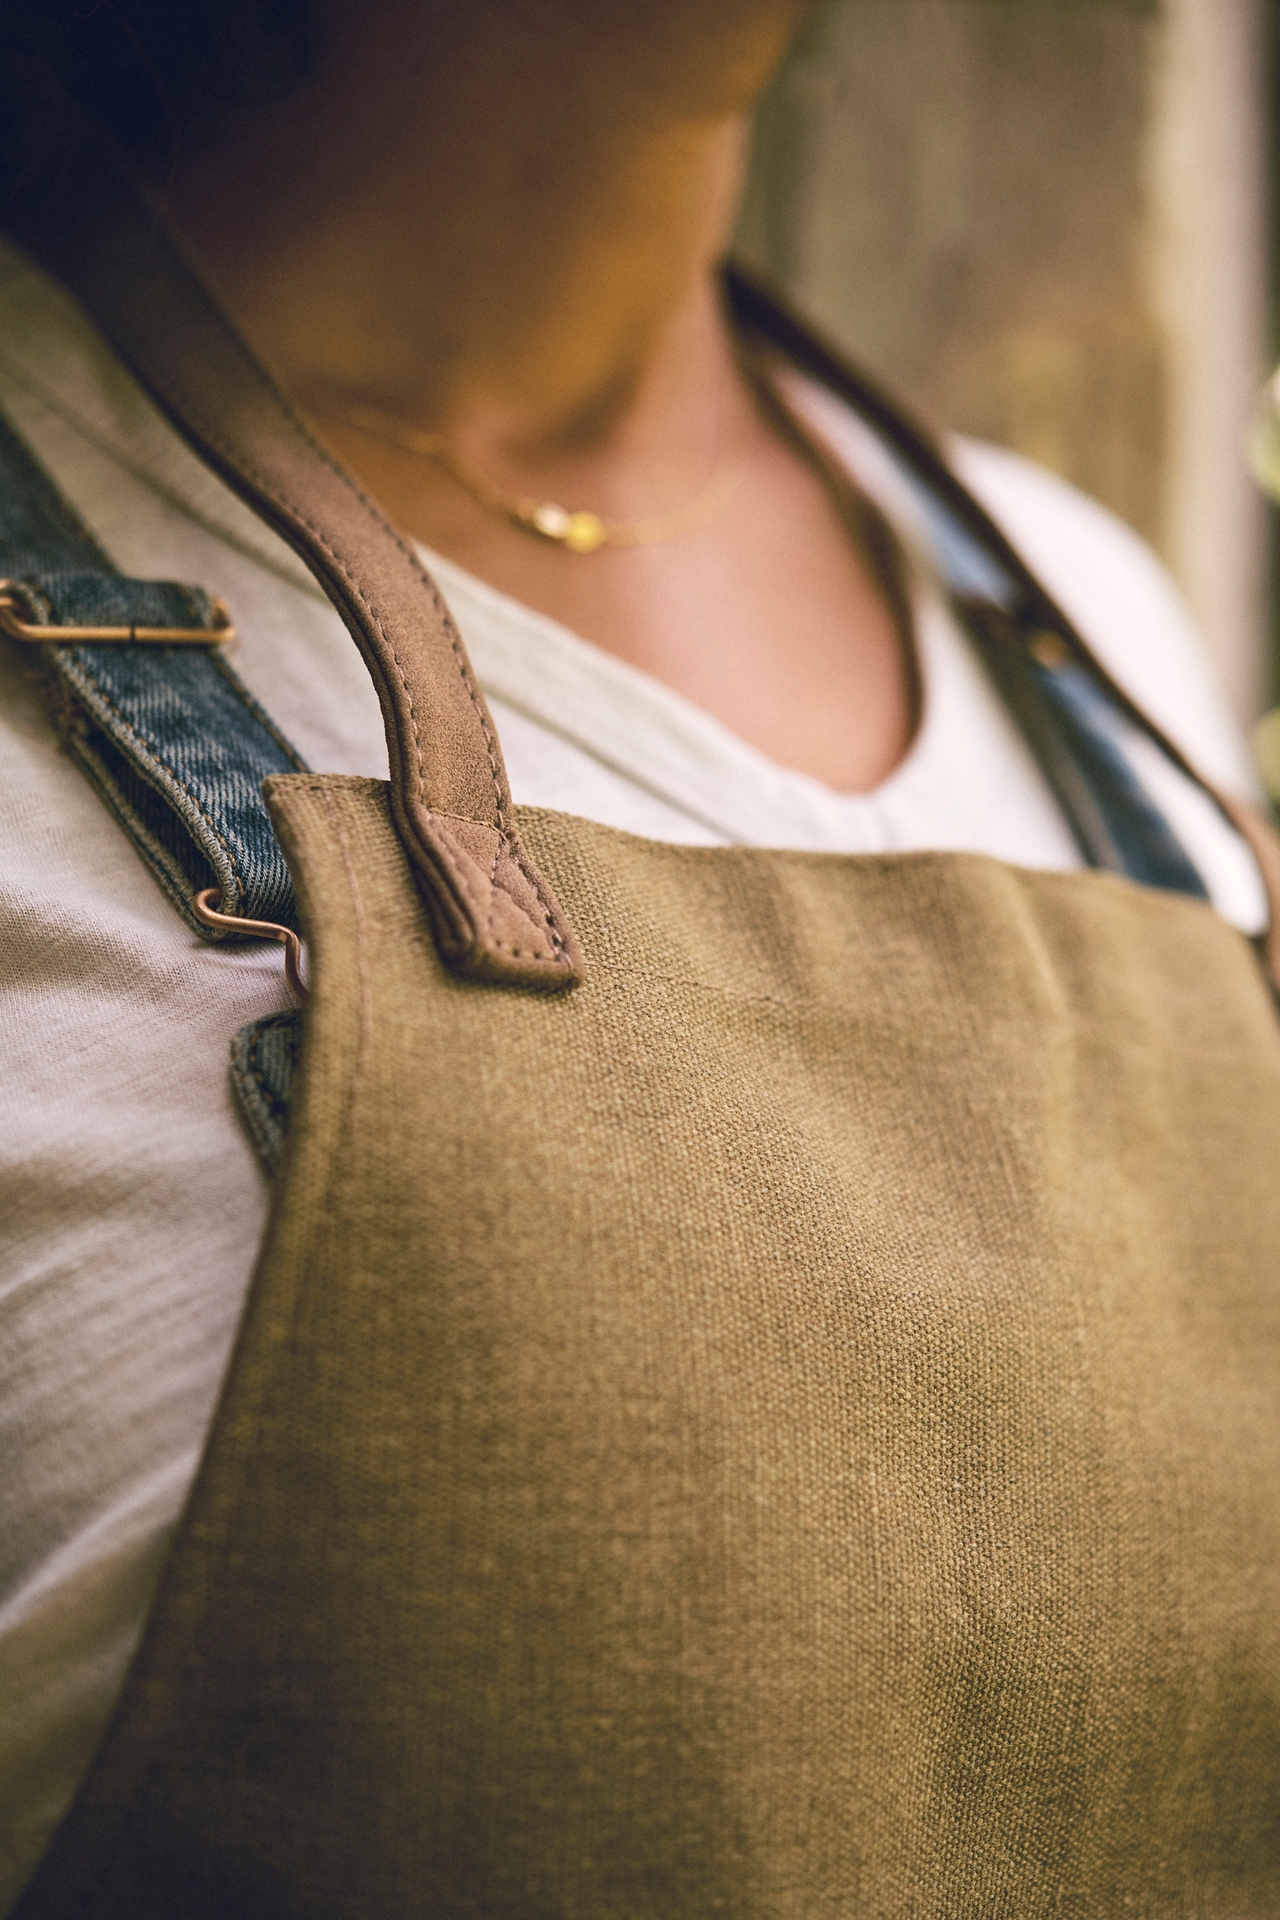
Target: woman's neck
[503,234]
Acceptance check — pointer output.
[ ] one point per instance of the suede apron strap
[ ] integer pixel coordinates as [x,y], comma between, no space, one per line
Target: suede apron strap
[493,915]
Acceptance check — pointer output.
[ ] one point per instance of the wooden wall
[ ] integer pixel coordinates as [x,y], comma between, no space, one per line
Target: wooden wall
[1042,220]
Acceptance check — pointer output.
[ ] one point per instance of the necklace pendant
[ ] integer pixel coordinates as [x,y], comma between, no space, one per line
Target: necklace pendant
[581,532]
[584,533]
[551,521]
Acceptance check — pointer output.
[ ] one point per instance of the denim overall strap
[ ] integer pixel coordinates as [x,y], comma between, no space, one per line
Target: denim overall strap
[1077,721]
[168,734]
[491,911]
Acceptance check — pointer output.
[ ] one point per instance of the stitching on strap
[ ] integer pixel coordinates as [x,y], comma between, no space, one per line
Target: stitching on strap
[295,425]
[466,869]
[513,850]
[140,741]
[463,866]
[275,493]
[293,420]
[279,1108]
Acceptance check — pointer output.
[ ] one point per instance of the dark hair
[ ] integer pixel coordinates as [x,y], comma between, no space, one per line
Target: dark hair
[151,69]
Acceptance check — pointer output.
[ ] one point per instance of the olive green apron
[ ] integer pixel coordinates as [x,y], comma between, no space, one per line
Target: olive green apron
[790,1427]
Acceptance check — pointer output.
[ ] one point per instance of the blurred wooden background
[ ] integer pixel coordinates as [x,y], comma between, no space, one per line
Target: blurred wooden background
[1045,222]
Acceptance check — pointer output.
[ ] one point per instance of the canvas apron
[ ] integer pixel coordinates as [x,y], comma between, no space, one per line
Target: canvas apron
[787,1427]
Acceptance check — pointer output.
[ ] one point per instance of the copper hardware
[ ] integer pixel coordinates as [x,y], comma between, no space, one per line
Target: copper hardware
[15,603]
[1049,649]
[205,907]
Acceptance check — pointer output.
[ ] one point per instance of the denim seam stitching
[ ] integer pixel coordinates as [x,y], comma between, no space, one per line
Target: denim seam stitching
[129,735]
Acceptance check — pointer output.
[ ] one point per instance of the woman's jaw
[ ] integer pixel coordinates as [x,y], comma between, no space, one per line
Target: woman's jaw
[490,215]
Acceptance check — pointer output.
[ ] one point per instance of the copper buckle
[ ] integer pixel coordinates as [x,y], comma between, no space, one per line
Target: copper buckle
[205,907]
[17,608]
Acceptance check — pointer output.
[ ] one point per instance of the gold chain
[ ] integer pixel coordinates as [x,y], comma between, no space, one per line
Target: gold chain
[576,529]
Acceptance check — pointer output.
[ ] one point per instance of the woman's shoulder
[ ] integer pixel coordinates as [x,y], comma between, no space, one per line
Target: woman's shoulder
[1121,597]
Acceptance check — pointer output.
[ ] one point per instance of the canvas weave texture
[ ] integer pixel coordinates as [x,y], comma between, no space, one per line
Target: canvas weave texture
[790,1428]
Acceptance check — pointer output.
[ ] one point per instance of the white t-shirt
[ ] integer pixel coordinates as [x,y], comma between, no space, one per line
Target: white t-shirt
[131,1203]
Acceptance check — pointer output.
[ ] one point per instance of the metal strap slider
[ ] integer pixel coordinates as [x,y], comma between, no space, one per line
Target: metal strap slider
[17,611]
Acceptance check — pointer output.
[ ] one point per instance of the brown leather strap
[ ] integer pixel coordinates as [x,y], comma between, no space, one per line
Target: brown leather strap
[494,916]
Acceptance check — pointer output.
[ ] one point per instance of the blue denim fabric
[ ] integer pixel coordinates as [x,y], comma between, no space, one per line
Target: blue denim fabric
[170,736]
[264,1060]
[1070,720]
[1094,734]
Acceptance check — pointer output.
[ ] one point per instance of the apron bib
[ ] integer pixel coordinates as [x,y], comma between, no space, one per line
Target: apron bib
[787,1428]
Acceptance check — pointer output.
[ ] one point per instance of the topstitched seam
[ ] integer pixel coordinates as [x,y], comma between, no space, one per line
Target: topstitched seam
[513,846]
[299,428]
[277,1108]
[464,867]
[493,910]
[532,874]
[254,472]
[334,817]
[501,946]
[140,743]
[229,338]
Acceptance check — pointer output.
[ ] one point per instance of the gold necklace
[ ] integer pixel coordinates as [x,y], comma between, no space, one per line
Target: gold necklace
[576,529]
